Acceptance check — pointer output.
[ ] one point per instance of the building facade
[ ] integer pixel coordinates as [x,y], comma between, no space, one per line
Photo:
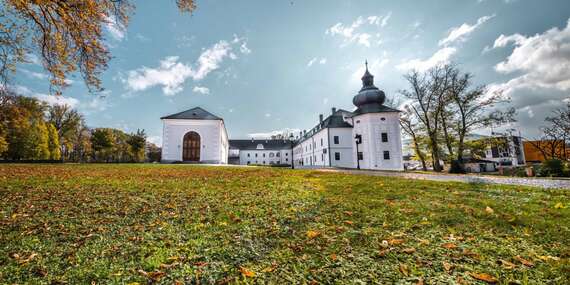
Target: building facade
[194,136]
[367,138]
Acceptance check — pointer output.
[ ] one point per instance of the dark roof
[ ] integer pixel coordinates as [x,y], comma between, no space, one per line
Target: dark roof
[373,108]
[476,160]
[267,144]
[335,120]
[196,113]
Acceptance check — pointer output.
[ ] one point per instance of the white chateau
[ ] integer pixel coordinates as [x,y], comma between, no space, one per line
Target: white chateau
[366,138]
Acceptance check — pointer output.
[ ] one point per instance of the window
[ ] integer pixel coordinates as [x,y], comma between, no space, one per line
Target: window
[248,155]
[286,154]
[264,155]
[322,157]
[386,154]
[271,154]
[256,155]
[335,138]
[277,154]
[337,156]
[248,162]
[358,121]
[286,159]
[384,137]
[264,162]
[321,141]
[360,155]
[324,150]
[382,119]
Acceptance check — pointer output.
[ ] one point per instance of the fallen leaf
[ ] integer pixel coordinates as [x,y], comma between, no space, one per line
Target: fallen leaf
[271,268]
[483,277]
[404,269]
[420,282]
[348,213]
[396,241]
[313,234]
[559,205]
[333,257]
[447,266]
[409,250]
[489,210]
[383,252]
[506,264]
[246,272]
[524,261]
[349,222]
[449,245]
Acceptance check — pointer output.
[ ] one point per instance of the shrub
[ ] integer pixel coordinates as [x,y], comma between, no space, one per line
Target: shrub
[552,168]
[456,167]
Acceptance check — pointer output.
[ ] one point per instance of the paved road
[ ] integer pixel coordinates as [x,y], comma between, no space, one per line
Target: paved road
[467,178]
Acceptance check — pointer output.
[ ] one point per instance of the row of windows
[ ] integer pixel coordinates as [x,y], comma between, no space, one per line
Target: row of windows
[263,162]
[271,154]
[386,154]
[360,156]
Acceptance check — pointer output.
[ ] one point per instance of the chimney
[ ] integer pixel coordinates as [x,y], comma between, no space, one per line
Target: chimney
[320,118]
[333,110]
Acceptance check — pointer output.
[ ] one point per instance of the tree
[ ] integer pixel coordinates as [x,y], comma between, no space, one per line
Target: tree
[66,35]
[427,95]
[469,109]
[53,143]
[68,123]
[137,143]
[552,143]
[37,142]
[102,143]
[413,130]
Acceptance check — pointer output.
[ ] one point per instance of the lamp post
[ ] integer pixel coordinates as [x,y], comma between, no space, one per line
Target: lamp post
[292,151]
[358,140]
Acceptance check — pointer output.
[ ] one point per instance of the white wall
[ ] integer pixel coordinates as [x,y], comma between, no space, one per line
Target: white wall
[213,139]
[265,157]
[316,153]
[345,147]
[371,126]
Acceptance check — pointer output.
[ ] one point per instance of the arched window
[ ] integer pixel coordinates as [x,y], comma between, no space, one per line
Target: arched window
[271,154]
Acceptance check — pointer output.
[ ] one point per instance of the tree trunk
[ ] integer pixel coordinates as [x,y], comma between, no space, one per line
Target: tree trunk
[419,153]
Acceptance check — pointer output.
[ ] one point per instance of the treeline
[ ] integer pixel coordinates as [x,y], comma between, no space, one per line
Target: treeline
[33,130]
[442,109]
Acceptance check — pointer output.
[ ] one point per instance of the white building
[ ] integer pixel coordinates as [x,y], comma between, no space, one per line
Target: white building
[367,138]
[194,135]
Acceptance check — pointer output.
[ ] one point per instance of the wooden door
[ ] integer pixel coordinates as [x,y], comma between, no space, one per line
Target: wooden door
[191,147]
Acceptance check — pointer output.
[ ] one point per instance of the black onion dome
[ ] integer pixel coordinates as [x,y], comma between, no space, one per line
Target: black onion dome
[368,94]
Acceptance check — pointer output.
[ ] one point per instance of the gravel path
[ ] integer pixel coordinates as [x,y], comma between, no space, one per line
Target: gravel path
[466,178]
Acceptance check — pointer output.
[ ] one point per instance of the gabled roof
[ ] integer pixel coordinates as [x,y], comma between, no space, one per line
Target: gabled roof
[196,113]
[267,144]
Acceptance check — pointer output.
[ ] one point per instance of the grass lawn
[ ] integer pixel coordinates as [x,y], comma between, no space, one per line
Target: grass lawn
[177,224]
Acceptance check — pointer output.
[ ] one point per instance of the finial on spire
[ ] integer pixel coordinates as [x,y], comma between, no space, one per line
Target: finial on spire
[366,63]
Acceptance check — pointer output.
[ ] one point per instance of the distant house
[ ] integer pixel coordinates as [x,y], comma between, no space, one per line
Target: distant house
[505,150]
[539,151]
[262,152]
[474,165]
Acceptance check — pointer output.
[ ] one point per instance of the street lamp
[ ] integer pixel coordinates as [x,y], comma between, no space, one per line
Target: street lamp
[358,139]
[292,139]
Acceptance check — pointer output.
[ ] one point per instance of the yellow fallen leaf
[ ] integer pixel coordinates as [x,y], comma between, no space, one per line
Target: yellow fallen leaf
[449,245]
[447,266]
[313,234]
[246,272]
[507,265]
[484,277]
[396,241]
[489,210]
[559,205]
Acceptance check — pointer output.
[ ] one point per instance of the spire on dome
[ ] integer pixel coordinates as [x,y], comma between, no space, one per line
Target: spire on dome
[367,78]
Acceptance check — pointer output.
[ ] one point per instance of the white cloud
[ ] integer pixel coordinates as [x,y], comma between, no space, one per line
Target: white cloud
[267,115]
[49,99]
[33,74]
[351,33]
[201,90]
[540,61]
[322,60]
[157,140]
[171,73]
[117,30]
[268,135]
[460,34]
[442,56]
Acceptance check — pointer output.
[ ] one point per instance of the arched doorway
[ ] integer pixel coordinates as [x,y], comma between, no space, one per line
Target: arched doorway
[191,147]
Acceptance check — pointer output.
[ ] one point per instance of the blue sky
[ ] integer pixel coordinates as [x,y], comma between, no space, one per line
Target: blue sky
[273,65]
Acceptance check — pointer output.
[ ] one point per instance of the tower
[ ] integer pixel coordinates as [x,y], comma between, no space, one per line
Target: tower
[376,129]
